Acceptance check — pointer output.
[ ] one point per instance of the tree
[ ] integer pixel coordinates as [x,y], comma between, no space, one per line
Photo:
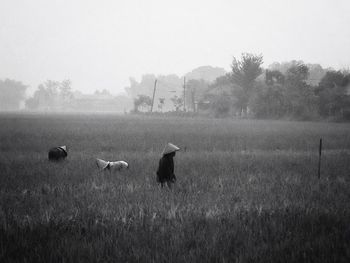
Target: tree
[12,93]
[220,91]
[178,102]
[145,87]
[274,77]
[161,104]
[221,105]
[332,93]
[142,101]
[316,72]
[51,95]
[66,90]
[244,74]
[195,90]
[269,101]
[299,96]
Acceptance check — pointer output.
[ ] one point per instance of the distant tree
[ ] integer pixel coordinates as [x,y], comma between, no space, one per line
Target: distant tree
[300,98]
[274,77]
[45,97]
[178,102]
[219,91]
[316,72]
[50,90]
[32,103]
[221,105]
[12,93]
[103,93]
[221,85]
[142,101]
[65,88]
[244,74]
[206,73]
[194,92]
[333,94]
[269,101]
[51,95]
[161,103]
[284,66]
[145,87]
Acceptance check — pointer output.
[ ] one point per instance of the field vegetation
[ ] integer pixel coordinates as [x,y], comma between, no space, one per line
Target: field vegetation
[246,191]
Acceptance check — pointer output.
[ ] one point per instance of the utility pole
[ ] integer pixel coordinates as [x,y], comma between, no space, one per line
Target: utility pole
[184,93]
[193,99]
[154,93]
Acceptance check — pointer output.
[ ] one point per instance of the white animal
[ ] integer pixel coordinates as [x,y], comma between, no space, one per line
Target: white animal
[111,166]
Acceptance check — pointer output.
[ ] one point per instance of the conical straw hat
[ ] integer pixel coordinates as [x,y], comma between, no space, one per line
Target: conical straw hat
[64,148]
[101,164]
[169,148]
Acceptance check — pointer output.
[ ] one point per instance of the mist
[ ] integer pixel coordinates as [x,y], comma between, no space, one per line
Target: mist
[111,52]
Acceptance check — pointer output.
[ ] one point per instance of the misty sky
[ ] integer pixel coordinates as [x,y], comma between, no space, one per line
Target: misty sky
[100,44]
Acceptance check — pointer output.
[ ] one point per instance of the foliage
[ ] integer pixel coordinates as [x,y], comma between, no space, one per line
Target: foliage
[104,92]
[332,90]
[316,72]
[65,88]
[285,95]
[161,104]
[142,101]
[220,91]
[221,105]
[300,97]
[274,77]
[195,91]
[51,96]
[178,102]
[292,90]
[269,101]
[221,84]
[12,93]
[208,74]
[244,74]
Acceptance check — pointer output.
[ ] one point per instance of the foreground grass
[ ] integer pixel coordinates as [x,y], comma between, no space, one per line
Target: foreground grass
[247,191]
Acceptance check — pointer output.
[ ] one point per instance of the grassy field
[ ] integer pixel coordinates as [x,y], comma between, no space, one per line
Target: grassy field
[247,191]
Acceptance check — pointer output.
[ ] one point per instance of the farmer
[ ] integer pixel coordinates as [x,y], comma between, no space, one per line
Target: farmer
[165,172]
[58,153]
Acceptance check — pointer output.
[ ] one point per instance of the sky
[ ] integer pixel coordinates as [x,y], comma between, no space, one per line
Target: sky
[99,44]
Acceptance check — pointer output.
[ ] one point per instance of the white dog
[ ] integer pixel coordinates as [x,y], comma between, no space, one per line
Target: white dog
[111,166]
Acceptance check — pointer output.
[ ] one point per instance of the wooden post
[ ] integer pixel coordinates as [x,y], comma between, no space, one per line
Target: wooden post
[154,93]
[184,93]
[193,99]
[319,159]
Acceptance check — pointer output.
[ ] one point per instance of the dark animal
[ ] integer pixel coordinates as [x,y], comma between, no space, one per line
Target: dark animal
[58,153]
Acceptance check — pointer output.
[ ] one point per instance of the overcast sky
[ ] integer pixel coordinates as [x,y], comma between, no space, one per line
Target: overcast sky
[100,44]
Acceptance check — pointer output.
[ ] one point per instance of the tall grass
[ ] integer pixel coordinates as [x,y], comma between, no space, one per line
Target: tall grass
[247,191]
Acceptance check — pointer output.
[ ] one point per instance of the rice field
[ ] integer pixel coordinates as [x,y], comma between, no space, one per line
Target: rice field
[246,191]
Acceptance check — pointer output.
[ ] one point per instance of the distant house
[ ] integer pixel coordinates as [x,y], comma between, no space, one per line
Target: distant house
[100,103]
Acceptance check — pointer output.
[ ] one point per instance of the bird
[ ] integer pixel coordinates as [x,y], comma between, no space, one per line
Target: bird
[111,166]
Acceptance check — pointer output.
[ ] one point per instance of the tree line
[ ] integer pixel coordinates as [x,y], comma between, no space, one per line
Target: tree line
[58,96]
[250,90]
[290,90]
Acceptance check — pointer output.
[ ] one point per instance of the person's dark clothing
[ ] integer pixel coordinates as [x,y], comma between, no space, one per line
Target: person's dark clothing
[165,172]
[57,153]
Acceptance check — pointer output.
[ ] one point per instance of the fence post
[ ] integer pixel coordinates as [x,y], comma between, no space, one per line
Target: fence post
[319,159]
